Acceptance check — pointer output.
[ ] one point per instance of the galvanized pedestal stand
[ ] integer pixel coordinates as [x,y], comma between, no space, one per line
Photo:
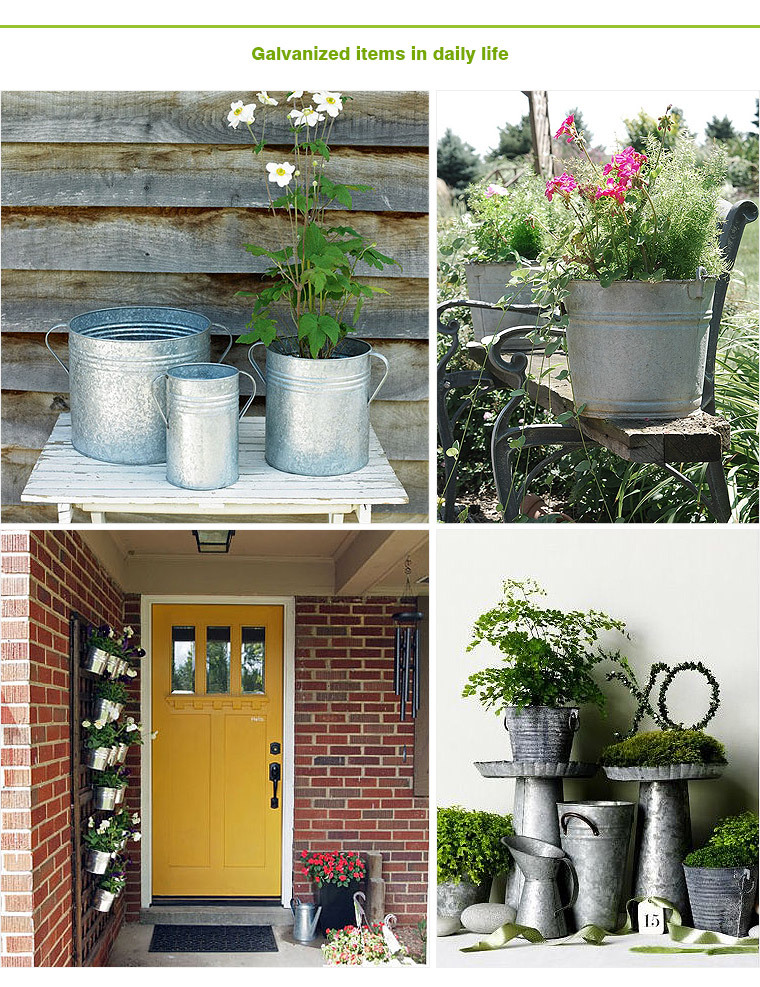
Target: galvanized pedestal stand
[663,829]
[538,788]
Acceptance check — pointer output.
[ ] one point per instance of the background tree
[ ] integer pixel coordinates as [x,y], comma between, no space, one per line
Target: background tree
[638,128]
[720,130]
[515,140]
[458,164]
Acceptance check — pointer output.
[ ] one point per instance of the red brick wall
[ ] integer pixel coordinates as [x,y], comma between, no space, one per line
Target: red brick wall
[353,788]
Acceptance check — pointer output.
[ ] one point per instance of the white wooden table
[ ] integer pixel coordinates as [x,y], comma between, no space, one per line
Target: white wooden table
[65,477]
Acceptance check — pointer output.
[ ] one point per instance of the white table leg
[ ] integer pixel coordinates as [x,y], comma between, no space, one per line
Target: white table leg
[364,513]
[98,517]
[64,513]
[335,518]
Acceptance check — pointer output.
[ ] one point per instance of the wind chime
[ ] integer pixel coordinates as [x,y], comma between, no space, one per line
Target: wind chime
[406,663]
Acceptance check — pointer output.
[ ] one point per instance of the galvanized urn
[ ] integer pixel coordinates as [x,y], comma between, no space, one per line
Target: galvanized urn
[721,898]
[489,282]
[637,349]
[596,837]
[114,355]
[202,416]
[317,411]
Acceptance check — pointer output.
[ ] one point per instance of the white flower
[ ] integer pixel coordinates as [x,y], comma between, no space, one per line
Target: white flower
[99,724]
[328,102]
[280,173]
[265,99]
[131,673]
[86,723]
[135,817]
[296,94]
[111,632]
[308,115]
[137,837]
[128,632]
[154,735]
[240,113]
[90,822]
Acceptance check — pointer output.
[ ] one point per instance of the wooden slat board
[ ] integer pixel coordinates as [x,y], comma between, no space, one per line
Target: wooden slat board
[397,119]
[700,438]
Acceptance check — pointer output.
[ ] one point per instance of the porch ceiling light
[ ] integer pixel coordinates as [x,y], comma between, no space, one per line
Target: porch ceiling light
[406,656]
[213,542]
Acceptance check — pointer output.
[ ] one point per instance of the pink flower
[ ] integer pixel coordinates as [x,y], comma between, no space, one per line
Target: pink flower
[613,191]
[563,184]
[568,127]
[496,190]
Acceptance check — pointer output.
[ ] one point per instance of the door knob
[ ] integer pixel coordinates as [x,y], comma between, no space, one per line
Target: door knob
[274,777]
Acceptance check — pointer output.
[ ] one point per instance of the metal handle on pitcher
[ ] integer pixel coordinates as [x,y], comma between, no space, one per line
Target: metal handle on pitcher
[574,892]
[254,366]
[379,356]
[218,325]
[253,394]
[576,815]
[155,399]
[61,325]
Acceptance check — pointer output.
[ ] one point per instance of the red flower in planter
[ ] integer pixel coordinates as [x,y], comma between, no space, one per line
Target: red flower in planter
[336,867]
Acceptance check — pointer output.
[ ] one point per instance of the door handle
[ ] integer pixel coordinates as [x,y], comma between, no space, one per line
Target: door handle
[274,777]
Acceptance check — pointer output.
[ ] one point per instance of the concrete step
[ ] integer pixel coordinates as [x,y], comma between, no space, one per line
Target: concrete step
[216,915]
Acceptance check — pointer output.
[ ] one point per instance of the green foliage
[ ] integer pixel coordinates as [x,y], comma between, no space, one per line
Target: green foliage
[113,690]
[114,880]
[515,140]
[664,747]
[469,845]
[547,655]
[733,843]
[458,164]
[641,127]
[580,125]
[512,225]
[99,736]
[720,130]
[112,778]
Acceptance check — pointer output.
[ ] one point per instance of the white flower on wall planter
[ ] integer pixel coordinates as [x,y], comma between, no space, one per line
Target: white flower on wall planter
[327,102]
[280,173]
[137,837]
[308,116]
[128,632]
[296,94]
[265,99]
[240,113]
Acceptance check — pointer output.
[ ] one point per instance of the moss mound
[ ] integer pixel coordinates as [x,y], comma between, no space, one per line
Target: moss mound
[663,747]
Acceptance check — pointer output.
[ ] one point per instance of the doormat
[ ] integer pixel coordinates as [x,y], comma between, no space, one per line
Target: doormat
[213,939]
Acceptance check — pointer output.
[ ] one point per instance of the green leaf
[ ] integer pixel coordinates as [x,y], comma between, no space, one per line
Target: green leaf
[566,416]
[330,328]
[583,467]
[307,325]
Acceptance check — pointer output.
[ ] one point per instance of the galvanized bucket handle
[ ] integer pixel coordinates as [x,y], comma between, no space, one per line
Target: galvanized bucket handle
[200,363]
[253,364]
[379,356]
[253,394]
[218,325]
[574,892]
[574,720]
[61,325]
[155,399]
[576,815]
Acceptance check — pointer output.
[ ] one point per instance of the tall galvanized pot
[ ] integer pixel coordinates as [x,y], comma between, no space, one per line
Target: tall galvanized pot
[489,282]
[541,733]
[317,411]
[596,837]
[637,349]
[114,355]
[202,415]
[721,898]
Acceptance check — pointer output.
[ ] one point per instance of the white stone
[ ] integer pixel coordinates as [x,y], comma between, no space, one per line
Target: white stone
[447,925]
[754,931]
[487,918]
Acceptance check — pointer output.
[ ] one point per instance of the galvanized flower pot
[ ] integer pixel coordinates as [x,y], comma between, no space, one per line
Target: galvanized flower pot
[721,898]
[202,415]
[97,861]
[103,798]
[452,897]
[114,354]
[317,411]
[596,837]
[113,663]
[121,753]
[541,733]
[97,758]
[637,349]
[119,796]
[103,900]
[95,660]
[490,283]
[113,753]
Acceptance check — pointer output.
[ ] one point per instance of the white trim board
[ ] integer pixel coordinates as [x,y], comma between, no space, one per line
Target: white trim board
[288,604]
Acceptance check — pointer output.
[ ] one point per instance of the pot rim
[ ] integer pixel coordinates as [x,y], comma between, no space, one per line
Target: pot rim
[273,347]
[721,870]
[201,322]
[223,371]
[649,284]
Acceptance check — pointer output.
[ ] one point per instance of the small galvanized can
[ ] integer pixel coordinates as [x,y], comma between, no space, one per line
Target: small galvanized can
[97,758]
[104,798]
[97,861]
[102,900]
[96,660]
[202,401]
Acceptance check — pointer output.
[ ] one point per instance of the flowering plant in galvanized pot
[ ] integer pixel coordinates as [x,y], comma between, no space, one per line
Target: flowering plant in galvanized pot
[355,945]
[109,889]
[632,271]
[336,877]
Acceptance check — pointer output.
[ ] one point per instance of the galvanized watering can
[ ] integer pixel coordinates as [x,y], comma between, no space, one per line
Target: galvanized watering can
[202,424]
[596,837]
[540,904]
[317,411]
[114,354]
[305,919]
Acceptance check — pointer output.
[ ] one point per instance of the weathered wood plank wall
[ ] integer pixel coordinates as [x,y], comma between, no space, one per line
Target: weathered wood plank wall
[147,197]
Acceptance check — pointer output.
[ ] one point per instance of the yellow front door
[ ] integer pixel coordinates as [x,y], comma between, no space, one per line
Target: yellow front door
[217,707]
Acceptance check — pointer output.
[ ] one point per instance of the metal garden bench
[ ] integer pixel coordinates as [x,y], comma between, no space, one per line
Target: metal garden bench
[702,437]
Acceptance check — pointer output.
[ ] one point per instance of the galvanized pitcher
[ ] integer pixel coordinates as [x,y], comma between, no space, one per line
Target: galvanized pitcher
[596,837]
[540,904]
[114,354]
[305,919]
[317,411]
[201,420]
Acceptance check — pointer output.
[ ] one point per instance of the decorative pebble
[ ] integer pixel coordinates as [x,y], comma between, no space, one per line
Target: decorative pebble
[447,925]
[754,931]
[487,918]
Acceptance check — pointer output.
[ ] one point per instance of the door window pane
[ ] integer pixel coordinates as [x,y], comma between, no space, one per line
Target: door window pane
[183,659]
[252,659]
[218,659]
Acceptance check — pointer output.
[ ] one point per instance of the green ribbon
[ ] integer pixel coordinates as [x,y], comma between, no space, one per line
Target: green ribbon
[594,935]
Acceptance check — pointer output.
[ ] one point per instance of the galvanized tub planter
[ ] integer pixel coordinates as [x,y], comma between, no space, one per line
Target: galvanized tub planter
[97,861]
[317,411]
[202,415]
[97,758]
[596,837]
[114,354]
[489,282]
[541,733]
[722,898]
[103,798]
[95,660]
[102,900]
[637,349]
[453,897]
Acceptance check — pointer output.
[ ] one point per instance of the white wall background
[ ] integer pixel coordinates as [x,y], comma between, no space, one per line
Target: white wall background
[687,592]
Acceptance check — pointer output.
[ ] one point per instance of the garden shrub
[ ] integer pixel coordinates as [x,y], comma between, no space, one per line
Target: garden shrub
[469,844]
[664,747]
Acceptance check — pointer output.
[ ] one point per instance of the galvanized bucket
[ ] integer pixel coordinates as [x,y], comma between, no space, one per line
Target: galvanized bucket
[96,660]
[114,354]
[202,402]
[104,798]
[637,349]
[97,861]
[102,900]
[490,283]
[541,733]
[596,837]
[97,758]
[453,897]
[317,411]
[721,898]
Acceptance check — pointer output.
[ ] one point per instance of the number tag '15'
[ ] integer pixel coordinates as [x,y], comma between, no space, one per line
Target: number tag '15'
[651,919]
